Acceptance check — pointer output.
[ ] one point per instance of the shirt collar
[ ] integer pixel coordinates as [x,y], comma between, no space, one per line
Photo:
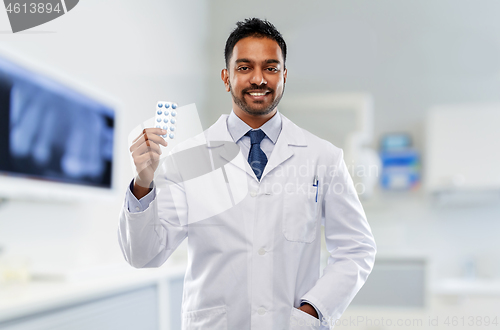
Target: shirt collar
[238,128]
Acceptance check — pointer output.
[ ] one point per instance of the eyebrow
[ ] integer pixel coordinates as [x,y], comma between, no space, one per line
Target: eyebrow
[246,60]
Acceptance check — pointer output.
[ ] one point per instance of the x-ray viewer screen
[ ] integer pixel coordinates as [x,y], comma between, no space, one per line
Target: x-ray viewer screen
[52,132]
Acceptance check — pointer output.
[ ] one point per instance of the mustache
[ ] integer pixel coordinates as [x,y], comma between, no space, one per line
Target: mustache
[256,87]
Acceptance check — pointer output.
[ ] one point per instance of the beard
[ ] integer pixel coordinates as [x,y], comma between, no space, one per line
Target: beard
[248,108]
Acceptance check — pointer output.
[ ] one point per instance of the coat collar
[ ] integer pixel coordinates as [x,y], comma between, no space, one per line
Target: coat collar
[291,136]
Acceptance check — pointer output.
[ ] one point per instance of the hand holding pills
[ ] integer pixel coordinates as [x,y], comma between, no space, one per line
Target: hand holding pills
[145,149]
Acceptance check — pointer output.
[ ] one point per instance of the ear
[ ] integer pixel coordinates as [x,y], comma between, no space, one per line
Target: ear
[224,75]
[284,75]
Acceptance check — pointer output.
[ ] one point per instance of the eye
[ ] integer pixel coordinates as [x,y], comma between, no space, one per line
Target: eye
[243,68]
[272,69]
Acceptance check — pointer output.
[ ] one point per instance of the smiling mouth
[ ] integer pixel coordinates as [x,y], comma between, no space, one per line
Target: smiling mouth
[258,93]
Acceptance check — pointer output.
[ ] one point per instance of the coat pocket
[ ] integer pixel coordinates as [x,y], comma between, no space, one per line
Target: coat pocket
[205,319]
[300,214]
[300,320]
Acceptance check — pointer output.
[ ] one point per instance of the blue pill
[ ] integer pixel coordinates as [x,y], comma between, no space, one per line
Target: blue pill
[167,105]
[158,120]
[160,105]
[172,128]
[174,113]
[159,112]
[165,120]
[172,121]
[171,135]
[174,105]
[166,113]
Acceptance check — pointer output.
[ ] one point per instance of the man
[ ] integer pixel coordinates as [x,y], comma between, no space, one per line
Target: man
[254,265]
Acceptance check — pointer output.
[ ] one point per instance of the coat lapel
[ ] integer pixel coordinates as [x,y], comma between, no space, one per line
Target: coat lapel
[291,136]
[223,148]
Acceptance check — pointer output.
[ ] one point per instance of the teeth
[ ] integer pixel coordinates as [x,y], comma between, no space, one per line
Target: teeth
[257,94]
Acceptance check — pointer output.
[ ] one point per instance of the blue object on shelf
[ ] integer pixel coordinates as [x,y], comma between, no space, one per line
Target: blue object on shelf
[400,169]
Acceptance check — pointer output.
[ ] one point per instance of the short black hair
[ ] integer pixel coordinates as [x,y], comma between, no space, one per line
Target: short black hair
[253,27]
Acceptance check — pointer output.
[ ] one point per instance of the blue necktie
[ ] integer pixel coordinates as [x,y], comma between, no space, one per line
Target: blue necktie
[256,157]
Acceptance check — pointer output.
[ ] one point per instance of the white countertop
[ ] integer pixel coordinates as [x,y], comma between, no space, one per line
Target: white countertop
[20,299]
[459,286]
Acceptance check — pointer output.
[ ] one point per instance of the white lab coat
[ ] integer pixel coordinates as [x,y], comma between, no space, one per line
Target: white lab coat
[250,265]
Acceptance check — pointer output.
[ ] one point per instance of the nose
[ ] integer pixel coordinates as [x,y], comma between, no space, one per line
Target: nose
[258,78]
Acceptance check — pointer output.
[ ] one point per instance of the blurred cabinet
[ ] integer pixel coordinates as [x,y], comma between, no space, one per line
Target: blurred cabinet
[462,158]
[137,309]
[145,300]
[395,282]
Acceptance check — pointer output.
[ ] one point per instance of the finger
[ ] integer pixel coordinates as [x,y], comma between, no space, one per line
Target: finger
[148,138]
[149,133]
[146,159]
[150,130]
[144,148]
[154,135]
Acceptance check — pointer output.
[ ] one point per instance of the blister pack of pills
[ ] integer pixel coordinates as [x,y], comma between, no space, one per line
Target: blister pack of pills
[166,118]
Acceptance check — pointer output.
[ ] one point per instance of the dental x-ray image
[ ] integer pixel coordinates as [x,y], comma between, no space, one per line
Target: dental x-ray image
[49,131]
